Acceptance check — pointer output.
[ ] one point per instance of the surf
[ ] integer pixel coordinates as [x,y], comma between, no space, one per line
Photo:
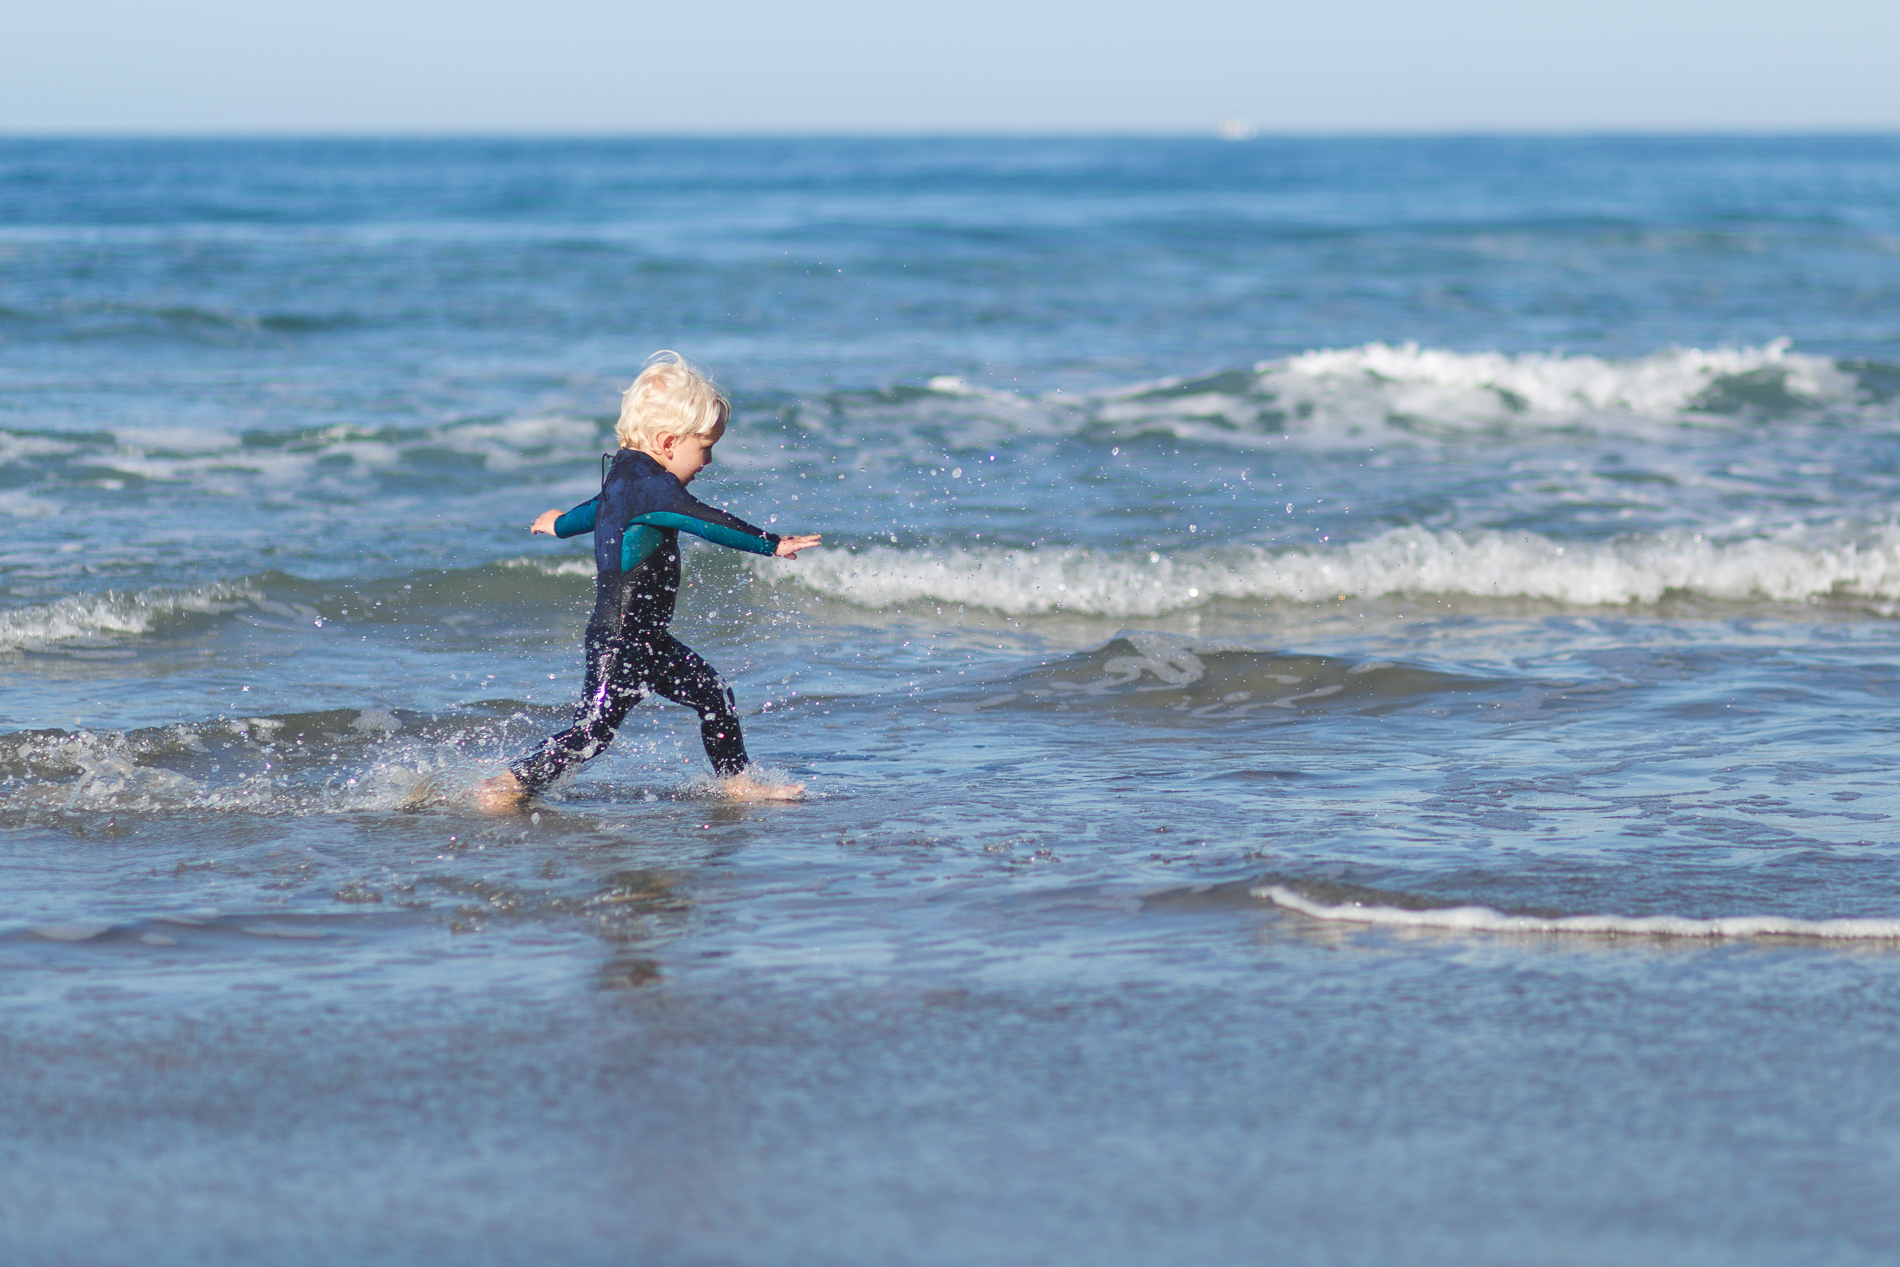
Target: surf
[1793,566]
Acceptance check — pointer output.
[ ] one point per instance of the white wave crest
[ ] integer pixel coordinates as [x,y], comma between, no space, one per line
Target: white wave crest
[553,567]
[31,628]
[1401,561]
[1407,391]
[1549,386]
[1484,919]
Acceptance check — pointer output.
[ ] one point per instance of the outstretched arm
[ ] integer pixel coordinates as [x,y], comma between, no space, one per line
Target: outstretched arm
[734,533]
[687,513]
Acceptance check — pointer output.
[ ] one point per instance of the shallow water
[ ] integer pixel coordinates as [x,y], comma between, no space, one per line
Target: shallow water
[1345,704]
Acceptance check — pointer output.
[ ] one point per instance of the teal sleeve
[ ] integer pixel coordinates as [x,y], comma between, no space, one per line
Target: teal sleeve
[718,534]
[578,520]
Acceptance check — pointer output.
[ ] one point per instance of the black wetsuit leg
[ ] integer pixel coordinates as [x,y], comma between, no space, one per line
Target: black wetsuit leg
[676,672]
[621,672]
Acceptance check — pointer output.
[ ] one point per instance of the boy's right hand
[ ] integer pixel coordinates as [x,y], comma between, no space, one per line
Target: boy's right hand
[788,547]
[545,523]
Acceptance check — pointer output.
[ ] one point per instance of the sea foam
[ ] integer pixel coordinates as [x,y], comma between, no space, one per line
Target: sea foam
[1484,919]
[326,762]
[1096,582]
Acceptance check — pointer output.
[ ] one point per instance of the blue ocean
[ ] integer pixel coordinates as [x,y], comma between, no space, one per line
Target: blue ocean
[1346,704]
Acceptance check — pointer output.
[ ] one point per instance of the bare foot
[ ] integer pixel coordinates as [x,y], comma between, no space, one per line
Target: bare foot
[502,794]
[743,787]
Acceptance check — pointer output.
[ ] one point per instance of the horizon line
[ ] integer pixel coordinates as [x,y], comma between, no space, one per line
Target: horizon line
[1210,133]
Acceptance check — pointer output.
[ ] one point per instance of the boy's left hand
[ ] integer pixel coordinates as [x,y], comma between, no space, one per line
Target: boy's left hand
[788,547]
[544,523]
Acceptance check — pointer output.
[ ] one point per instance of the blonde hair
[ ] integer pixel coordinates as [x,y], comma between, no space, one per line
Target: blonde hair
[670,398]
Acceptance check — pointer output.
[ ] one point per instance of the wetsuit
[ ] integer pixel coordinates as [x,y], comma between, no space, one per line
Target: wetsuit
[636,522]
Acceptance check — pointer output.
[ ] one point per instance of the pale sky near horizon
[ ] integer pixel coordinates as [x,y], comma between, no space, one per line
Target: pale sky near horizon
[745,66]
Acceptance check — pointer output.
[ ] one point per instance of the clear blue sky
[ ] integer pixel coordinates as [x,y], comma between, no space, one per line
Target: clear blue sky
[592,66]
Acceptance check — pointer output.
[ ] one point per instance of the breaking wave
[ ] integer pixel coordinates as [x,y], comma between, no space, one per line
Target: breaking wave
[1401,561]
[107,615]
[1484,919]
[1373,394]
[1407,392]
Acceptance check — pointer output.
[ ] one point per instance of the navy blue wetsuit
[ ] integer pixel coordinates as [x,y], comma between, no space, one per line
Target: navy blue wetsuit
[636,522]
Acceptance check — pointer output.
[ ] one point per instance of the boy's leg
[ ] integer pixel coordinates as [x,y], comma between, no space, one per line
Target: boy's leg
[674,670]
[613,685]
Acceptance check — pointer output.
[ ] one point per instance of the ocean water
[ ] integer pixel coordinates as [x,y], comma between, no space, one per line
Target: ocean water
[1348,704]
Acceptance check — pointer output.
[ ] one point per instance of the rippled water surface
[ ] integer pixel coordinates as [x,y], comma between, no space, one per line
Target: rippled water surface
[1347,704]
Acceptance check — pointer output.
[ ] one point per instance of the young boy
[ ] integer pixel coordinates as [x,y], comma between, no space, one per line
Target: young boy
[670,419]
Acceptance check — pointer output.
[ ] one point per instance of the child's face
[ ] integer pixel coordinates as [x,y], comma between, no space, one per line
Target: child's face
[687,456]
